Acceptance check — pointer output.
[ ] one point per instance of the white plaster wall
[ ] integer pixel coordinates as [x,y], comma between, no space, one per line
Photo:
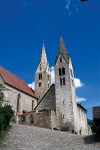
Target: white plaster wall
[11,98]
[82,121]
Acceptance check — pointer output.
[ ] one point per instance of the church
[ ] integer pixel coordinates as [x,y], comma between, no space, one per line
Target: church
[49,106]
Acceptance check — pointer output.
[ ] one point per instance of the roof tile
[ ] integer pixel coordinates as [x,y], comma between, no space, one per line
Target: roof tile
[15,82]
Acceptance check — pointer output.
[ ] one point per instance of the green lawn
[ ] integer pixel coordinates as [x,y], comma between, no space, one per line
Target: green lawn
[3,133]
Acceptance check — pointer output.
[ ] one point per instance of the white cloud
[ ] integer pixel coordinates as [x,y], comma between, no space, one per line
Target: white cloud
[68,4]
[78,83]
[52,75]
[32,85]
[80,99]
[72,6]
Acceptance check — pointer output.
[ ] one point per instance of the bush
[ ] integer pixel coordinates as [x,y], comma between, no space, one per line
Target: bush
[6,113]
[1,119]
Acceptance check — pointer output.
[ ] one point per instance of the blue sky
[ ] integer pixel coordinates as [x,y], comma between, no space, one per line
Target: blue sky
[24,24]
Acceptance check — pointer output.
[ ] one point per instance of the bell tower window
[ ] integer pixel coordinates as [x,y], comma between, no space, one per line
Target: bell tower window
[60,81]
[59,71]
[63,81]
[60,59]
[63,71]
[40,76]
[40,84]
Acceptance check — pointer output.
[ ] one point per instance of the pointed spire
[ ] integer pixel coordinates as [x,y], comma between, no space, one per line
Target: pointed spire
[43,58]
[62,49]
[43,44]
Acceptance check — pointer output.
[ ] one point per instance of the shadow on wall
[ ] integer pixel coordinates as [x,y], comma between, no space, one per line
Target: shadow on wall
[92,139]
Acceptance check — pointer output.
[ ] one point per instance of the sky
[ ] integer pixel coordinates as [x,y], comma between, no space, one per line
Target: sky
[24,24]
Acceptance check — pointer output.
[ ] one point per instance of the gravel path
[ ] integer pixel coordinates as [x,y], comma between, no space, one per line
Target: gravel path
[23,137]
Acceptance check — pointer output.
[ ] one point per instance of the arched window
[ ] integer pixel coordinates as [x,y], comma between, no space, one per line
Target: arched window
[60,59]
[31,119]
[63,71]
[18,103]
[40,84]
[60,81]
[63,81]
[32,104]
[40,76]
[59,71]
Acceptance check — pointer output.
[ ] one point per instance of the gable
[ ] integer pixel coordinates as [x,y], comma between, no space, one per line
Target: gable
[48,102]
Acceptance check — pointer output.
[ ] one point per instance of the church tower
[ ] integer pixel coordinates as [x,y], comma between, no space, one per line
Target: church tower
[66,106]
[42,75]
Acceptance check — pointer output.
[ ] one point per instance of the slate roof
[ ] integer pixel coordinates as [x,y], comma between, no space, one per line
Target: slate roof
[16,82]
[62,49]
[81,106]
[48,102]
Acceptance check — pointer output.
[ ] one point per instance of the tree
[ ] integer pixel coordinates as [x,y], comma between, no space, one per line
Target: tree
[1,94]
[6,112]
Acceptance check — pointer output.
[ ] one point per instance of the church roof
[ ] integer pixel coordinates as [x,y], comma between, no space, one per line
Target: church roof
[15,82]
[48,102]
[62,49]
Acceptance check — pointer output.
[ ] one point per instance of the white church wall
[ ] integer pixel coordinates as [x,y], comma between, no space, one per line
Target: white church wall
[11,95]
[82,122]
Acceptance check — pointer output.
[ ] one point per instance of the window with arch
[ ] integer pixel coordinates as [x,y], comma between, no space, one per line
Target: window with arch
[60,81]
[60,59]
[63,81]
[63,71]
[40,84]
[59,71]
[32,105]
[40,76]
[18,103]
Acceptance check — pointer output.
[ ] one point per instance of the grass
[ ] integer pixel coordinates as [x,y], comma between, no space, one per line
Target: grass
[3,133]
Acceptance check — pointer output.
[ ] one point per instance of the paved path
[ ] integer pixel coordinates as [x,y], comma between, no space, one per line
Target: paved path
[23,137]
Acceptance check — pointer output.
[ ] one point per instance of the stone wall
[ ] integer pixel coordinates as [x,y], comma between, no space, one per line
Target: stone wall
[11,96]
[40,119]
